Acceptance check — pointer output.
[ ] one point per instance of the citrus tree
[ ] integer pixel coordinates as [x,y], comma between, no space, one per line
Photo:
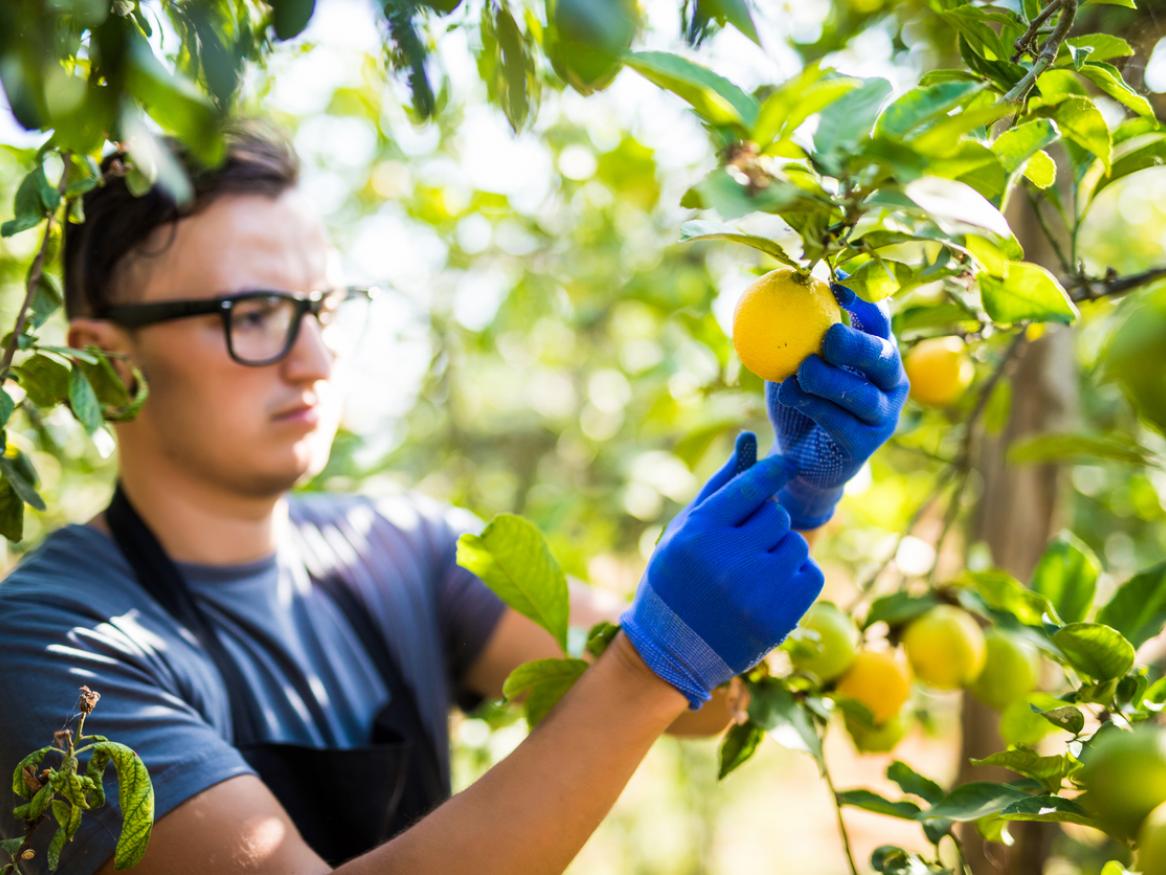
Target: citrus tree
[915,196]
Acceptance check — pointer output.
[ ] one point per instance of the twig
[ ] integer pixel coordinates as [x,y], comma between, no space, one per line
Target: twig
[838,811]
[1047,54]
[1026,42]
[1090,289]
[34,276]
[1035,206]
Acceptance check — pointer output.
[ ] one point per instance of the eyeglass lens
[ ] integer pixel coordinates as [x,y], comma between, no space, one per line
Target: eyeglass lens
[261,326]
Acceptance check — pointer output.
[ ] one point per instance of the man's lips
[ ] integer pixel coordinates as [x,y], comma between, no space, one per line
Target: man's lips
[308,414]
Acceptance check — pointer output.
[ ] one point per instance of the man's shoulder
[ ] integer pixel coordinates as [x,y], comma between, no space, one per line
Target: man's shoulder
[74,564]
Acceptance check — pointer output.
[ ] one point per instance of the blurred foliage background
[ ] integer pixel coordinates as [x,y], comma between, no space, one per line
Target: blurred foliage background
[549,348]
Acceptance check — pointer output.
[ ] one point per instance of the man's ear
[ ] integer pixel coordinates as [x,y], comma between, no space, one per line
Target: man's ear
[111,339]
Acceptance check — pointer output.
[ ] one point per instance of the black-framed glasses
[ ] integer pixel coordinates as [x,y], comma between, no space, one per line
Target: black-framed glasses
[262,325]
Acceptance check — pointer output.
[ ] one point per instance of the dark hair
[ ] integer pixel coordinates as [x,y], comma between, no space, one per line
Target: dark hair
[257,160]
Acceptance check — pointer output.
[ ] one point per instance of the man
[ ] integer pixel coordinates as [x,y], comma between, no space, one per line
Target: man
[285,667]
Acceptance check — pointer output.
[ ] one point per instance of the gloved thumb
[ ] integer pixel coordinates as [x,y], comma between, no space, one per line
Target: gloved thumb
[742,459]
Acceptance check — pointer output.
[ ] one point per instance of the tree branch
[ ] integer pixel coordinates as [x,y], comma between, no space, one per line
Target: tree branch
[1048,54]
[1111,285]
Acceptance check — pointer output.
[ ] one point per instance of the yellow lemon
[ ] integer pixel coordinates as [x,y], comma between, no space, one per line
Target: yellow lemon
[940,370]
[1152,843]
[780,319]
[946,647]
[878,679]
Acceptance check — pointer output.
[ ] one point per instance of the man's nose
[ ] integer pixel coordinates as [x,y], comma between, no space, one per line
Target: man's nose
[310,358]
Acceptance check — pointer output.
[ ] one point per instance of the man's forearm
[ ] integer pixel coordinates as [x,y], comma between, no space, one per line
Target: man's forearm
[534,810]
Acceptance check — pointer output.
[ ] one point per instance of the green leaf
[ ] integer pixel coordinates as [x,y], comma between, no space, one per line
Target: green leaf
[599,637]
[922,105]
[1004,592]
[83,401]
[1041,170]
[56,845]
[975,800]
[1065,717]
[697,230]
[1048,809]
[796,100]
[1050,771]
[847,121]
[1109,79]
[45,380]
[1102,46]
[46,300]
[7,407]
[1114,867]
[912,782]
[715,99]
[11,513]
[1067,576]
[869,801]
[956,207]
[1138,608]
[32,761]
[1095,649]
[898,608]
[1128,4]
[1058,85]
[290,17]
[513,559]
[545,681]
[18,473]
[28,205]
[740,744]
[774,709]
[506,65]
[1081,448]
[1015,146]
[1027,292]
[1082,122]
[135,798]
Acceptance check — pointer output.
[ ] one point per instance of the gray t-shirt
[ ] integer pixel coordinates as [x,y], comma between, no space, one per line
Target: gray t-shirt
[71,613]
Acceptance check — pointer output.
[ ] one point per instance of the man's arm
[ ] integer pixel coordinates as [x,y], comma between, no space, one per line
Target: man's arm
[530,813]
[517,639]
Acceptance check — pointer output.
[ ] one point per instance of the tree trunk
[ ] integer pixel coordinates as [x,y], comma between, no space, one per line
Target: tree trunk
[1018,511]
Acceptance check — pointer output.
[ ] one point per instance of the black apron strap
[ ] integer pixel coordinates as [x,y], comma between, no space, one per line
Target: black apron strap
[402,711]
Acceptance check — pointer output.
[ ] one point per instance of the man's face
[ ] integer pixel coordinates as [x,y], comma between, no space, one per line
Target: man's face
[251,430]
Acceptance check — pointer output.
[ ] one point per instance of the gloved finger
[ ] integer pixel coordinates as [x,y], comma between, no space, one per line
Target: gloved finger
[842,425]
[876,357]
[803,588]
[766,525]
[872,318]
[746,492]
[842,294]
[790,552]
[744,455]
[849,391]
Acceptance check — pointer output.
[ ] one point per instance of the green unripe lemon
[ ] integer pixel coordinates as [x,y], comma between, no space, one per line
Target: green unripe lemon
[586,39]
[1125,776]
[1011,670]
[831,647]
[1152,843]
[877,739]
[946,647]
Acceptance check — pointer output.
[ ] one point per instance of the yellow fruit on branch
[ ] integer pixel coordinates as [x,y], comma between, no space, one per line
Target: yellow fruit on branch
[880,680]
[1011,669]
[940,370]
[946,647]
[780,319]
[831,645]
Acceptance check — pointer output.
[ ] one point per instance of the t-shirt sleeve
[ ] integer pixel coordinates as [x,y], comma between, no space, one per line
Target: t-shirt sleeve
[51,647]
[468,611]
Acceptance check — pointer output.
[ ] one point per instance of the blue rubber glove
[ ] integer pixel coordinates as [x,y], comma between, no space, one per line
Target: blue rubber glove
[727,582]
[838,408]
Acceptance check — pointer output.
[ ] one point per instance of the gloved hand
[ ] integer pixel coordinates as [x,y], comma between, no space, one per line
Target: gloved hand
[838,408]
[727,581]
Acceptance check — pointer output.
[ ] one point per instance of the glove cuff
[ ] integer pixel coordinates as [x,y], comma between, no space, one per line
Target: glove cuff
[808,506]
[671,649]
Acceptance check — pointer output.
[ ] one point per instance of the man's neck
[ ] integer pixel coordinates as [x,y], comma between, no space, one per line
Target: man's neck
[199,522]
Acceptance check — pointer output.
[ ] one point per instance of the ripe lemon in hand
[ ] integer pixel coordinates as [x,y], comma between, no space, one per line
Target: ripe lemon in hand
[780,319]
[940,370]
[946,647]
[878,679]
